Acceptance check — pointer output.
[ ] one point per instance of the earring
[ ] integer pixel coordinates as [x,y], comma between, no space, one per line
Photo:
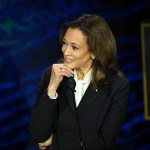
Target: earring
[92,57]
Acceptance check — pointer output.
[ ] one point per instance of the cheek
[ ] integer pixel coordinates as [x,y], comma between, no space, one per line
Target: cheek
[78,57]
[83,58]
[85,55]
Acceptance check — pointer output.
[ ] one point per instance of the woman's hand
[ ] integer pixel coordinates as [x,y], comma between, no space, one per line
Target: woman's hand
[57,74]
[46,143]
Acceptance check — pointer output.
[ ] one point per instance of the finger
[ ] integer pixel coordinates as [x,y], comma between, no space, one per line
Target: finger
[44,144]
[42,147]
[66,71]
[62,66]
[62,70]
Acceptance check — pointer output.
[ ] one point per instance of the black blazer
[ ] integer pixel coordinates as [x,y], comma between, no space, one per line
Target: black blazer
[101,115]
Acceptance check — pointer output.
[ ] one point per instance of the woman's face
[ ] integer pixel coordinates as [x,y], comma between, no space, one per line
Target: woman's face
[75,50]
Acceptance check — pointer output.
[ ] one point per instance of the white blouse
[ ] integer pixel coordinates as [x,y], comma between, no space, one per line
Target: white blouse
[81,86]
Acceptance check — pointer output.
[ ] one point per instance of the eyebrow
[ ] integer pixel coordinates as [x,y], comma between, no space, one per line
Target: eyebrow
[71,43]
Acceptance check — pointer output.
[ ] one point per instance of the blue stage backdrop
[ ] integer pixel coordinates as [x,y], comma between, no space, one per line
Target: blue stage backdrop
[29,43]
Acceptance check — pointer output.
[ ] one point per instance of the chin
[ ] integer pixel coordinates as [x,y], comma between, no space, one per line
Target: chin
[69,66]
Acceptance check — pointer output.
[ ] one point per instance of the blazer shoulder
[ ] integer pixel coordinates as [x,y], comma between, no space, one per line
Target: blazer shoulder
[119,87]
[46,73]
[47,70]
[119,80]
[45,78]
[118,76]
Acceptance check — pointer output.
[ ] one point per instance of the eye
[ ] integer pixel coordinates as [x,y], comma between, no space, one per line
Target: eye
[63,43]
[75,48]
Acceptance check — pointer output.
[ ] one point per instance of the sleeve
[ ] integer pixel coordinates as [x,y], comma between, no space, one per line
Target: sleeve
[116,115]
[44,112]
[53,97]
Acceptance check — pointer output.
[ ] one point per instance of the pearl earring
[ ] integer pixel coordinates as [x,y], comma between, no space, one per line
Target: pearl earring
[92,57]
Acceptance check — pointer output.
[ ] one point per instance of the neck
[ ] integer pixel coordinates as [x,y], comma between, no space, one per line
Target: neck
[81,74]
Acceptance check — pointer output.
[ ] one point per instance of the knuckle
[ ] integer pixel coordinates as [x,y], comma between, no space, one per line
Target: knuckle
[53,65]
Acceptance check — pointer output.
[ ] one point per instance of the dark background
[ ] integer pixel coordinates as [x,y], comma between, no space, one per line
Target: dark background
[29,43]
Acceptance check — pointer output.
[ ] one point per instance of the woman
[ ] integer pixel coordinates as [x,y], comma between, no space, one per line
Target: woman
[82,102]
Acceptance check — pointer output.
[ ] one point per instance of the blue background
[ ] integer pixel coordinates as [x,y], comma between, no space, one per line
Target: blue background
[29,43]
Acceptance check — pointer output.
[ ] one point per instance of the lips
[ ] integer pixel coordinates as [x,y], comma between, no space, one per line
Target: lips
[69,60]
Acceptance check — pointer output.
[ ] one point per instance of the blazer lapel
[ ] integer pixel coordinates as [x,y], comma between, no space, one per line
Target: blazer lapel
[70,99]
[69,95]
[90,96]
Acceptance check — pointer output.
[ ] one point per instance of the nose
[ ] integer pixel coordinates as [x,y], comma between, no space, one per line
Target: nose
[66,50]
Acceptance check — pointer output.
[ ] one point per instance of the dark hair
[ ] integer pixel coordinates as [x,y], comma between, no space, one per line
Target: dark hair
[101,43]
